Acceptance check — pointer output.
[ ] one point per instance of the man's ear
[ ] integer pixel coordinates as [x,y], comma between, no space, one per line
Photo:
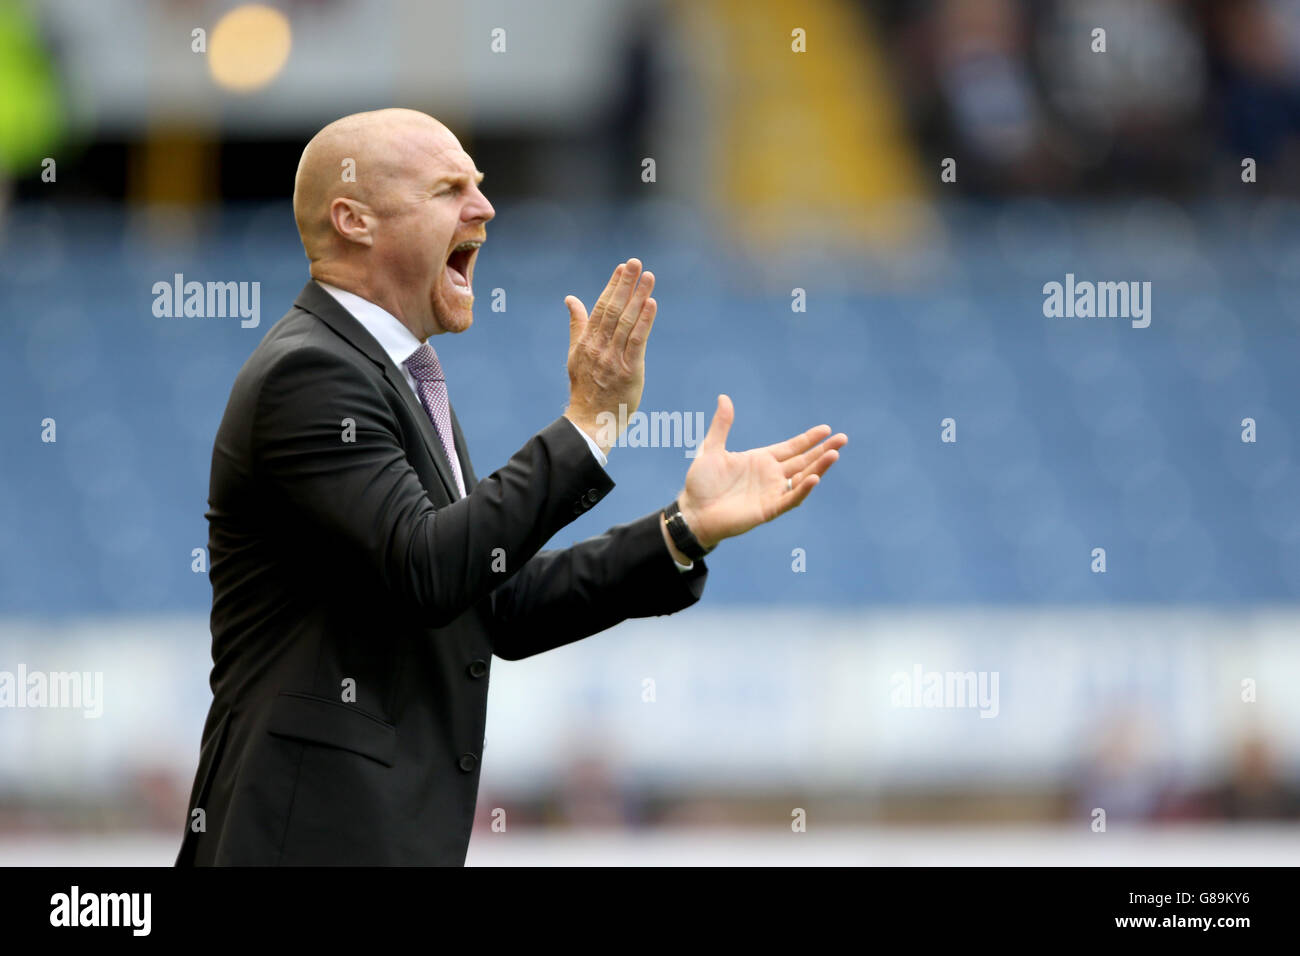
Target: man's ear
[353,220]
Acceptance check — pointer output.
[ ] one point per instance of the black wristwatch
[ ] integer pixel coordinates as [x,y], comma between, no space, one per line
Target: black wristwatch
[681,533]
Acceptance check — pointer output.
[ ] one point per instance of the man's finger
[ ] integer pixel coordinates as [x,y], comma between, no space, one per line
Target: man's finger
[799,443]
[632,314]
[795,497]
[640,334]
[577,317]
[818,468]
[716,437]
[602,302]
[802,485]
[793,466]
[618,300]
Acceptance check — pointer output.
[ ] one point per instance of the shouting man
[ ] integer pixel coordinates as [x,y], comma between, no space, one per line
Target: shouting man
[363,577]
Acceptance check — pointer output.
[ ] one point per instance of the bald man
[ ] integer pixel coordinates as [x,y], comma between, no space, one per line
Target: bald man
[363,577]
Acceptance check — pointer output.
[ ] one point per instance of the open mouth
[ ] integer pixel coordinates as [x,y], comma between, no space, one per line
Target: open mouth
[460,264]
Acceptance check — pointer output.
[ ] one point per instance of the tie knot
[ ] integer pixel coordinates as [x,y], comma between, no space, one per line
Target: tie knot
[423,364]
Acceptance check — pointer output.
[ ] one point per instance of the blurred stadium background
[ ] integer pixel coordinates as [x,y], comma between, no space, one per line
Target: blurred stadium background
[774,171]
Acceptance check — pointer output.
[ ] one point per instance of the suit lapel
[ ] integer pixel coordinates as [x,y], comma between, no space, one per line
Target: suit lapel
[462,452]
[325,307]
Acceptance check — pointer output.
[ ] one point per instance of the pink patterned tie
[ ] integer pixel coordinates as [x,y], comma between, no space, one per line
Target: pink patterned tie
[427,372]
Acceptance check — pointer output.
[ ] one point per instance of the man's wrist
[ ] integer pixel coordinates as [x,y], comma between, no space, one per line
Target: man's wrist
[687,509]
[683,536]
[676,552]
[596,453]
[587,424]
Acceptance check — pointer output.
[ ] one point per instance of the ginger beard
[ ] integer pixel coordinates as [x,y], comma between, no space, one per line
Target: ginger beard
[453,295]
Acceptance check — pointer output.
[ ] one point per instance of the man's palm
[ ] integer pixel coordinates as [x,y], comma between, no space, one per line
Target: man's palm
[728,492]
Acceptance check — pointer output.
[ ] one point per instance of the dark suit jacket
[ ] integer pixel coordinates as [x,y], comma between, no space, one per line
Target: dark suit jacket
[356,603]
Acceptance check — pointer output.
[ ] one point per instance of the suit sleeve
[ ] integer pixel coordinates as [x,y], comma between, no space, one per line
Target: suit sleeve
[562,596]
[364,494]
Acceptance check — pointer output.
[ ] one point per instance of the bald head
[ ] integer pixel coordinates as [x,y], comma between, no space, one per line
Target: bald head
[364,156]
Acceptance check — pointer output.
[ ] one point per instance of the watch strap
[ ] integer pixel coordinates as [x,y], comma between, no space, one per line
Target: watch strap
[681,533]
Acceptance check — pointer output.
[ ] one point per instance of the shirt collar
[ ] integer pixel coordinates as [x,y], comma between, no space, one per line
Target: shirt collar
[393,337]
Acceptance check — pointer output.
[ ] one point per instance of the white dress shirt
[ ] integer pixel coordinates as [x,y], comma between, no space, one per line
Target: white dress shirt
[400,343]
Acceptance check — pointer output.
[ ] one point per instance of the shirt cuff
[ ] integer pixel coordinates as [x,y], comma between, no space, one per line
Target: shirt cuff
[600,457]
[595,449]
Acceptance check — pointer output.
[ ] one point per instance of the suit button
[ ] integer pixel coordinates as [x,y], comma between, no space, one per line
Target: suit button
[593,496]
[578,507]
[477,668]
[468,762]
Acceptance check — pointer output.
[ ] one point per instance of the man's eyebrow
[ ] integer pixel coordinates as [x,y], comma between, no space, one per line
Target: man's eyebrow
[460,177]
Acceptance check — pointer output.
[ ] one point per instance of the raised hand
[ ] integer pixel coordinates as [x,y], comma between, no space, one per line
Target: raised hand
[607,352]
[729,492]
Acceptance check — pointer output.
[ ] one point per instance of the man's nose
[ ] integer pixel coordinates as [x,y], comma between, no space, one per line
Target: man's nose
[478,208]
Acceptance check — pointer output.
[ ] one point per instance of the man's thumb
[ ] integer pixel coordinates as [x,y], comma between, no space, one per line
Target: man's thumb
[577,317]
[716,439]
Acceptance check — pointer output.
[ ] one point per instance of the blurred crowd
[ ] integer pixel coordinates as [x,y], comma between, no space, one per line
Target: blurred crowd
[1170,99]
